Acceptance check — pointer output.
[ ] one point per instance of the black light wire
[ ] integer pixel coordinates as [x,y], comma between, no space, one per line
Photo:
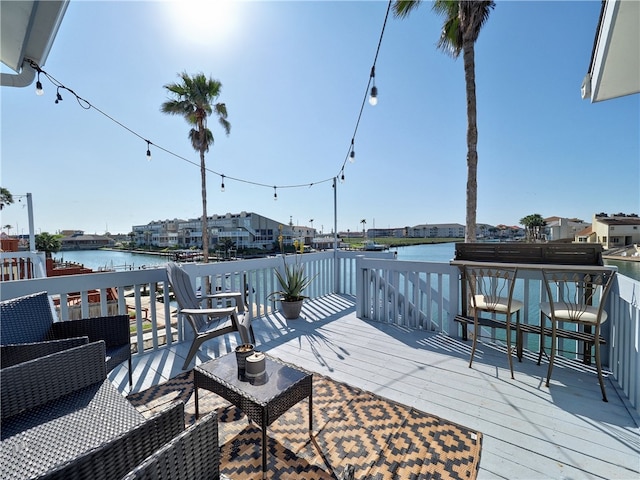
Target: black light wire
[86,105]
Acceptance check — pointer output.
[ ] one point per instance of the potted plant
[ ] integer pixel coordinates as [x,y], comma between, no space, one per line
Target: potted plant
[292,281]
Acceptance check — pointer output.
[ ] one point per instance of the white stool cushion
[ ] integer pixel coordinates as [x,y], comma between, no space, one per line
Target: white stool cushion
[575,313]
[499,305]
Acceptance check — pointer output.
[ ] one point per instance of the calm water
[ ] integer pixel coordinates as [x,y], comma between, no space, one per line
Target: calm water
[440,252]
[109,260]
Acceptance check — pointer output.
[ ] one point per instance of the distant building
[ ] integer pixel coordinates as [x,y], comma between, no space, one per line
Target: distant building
[244,230]
[78,240]
[437,230]
[387,232]
[585,235]
[559,228]
[509,232]
[615,230]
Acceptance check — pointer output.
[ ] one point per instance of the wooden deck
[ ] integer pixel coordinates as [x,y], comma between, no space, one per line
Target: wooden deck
[530,431]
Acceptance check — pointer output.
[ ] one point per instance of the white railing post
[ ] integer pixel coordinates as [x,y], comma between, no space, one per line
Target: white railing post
[360,287]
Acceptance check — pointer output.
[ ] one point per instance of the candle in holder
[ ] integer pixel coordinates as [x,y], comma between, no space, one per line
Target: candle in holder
[255,365]
[242,352]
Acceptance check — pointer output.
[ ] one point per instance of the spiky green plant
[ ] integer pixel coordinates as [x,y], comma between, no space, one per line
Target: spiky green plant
[292,283]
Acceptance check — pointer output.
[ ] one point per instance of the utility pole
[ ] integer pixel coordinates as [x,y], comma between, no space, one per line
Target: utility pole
[32,236]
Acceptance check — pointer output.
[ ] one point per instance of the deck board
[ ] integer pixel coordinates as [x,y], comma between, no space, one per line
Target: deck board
[530,431]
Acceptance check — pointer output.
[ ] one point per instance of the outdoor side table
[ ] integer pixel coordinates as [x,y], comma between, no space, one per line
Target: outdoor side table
[263,399]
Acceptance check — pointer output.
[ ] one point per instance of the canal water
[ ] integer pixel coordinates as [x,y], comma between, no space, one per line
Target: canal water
[112,259]
[439,252]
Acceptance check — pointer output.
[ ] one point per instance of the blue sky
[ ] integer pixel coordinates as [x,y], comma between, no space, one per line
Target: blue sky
[294,75]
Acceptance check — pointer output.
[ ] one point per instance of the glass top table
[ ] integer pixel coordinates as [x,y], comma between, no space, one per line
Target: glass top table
[264,398]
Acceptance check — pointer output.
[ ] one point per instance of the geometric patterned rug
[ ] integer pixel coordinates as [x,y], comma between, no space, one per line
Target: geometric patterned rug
[378,438]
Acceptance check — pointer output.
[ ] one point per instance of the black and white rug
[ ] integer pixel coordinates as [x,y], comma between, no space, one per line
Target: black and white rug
[378,438]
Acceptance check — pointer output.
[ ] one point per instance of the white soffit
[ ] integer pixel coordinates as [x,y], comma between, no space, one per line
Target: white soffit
[27,30]
[615,66]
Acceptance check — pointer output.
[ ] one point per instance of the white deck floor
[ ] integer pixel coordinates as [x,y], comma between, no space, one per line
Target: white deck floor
[530,431]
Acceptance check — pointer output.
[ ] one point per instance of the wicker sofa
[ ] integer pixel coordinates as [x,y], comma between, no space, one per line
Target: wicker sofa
[27,331]
[192,455]
[63,419]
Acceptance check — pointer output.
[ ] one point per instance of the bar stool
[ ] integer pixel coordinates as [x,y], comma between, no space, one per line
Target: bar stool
[491,291]
[571,297]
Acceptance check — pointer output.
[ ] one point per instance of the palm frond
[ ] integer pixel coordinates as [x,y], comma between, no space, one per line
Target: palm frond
[402,8]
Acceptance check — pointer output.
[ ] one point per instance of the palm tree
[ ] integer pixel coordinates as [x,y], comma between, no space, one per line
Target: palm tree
[8,228]
[194,99]
[45,242]
[363,222]
[533,223]
[463,21]
[5,197]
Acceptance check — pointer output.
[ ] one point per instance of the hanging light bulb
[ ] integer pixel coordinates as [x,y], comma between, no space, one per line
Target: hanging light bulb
[222,184]
[148,150]
[275,194]
[352,153]
[373,97]
[39,90]
[58,96]
[342,177]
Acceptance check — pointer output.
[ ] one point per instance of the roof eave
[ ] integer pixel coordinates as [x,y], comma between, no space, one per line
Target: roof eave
[615,62]
[28,30]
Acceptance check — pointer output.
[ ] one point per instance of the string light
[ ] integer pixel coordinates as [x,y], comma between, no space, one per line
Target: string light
[373,98]
[222,184]
[39,90]
[372,94]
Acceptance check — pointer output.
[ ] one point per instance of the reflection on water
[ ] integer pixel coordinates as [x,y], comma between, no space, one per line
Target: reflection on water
[626,267]
[112,259]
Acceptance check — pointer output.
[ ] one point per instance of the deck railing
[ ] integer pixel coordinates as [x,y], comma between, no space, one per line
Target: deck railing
[413,294]
[22,265]
[428,296]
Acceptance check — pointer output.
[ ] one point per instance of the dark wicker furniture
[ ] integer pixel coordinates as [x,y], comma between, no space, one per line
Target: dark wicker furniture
[263,399]
[29,320]
[192,455]
[63,419]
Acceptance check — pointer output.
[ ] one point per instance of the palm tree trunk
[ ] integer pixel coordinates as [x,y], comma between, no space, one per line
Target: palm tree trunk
[472,141]
[205,226]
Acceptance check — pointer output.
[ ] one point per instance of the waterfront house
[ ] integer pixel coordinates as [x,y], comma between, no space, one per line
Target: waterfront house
[616,230]
[82,241]
[244,230]
[560,228]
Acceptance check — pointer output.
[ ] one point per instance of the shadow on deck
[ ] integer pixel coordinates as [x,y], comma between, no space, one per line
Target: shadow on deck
[530,431]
